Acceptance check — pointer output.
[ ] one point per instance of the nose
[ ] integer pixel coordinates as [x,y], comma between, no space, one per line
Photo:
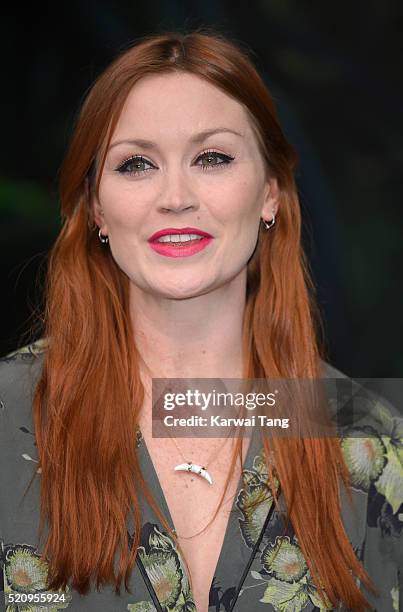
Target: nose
[177,208]
[177,195]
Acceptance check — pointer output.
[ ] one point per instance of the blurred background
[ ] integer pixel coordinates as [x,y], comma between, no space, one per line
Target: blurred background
[334,70]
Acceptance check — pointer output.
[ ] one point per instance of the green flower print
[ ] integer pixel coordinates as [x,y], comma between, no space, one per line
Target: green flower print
[259,466]
[139,437]
[26,572]
[378,458]
[289,586]
[163,569]
[284,560]
[35,348]
[253,516]
[395,599]
[185,602]
[286,597]
[166,573]
[257,492]
[365,457]
[142,606]
[390,482]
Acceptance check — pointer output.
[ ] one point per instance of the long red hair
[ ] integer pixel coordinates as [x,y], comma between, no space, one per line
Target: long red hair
[87,401]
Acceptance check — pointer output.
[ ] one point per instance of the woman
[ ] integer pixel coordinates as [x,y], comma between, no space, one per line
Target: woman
[178,139]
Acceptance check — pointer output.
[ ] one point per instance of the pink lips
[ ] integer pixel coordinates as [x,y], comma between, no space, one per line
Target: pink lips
[185,250]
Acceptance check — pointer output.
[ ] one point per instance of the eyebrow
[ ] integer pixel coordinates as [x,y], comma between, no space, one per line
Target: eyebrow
[196,138]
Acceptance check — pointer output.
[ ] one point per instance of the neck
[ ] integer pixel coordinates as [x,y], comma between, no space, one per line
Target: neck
[194,337]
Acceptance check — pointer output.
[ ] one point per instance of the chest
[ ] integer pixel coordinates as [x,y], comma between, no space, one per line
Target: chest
[192,503]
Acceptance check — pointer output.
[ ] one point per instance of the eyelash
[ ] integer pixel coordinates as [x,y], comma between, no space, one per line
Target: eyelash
[122,169]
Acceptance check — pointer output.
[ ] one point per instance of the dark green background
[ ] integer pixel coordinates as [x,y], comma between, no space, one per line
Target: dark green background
[334,70]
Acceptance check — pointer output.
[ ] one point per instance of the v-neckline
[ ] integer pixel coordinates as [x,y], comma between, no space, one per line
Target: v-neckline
[158,493]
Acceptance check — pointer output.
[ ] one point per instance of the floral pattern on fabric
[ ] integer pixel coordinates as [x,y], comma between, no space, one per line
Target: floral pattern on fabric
[28,351]
[255,500]
[139,437]
[374,456]
[25,572]
[142,606]
[289,583]
[278,578]
[284,580]
[164,568]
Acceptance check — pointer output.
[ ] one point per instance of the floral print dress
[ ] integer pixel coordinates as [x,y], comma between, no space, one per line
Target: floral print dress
[260,567]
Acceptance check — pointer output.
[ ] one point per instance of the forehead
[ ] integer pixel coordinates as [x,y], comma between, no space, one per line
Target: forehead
[178,103]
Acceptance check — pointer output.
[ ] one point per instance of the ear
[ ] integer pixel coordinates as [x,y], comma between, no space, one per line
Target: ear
[271,199]
[98,214]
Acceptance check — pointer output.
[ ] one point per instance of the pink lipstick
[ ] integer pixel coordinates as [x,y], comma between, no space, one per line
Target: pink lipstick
[179,242]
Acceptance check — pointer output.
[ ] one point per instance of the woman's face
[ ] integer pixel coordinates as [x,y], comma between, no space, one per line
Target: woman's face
[216,184]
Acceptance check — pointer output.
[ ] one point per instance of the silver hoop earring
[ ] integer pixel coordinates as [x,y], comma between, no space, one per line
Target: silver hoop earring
[102,238]
[272,222]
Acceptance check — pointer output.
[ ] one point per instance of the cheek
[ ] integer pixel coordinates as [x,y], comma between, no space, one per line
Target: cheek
[121,207]
[245,207]
[245,215]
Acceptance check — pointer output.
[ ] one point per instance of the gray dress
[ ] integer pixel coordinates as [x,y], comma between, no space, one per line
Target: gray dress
[260,568]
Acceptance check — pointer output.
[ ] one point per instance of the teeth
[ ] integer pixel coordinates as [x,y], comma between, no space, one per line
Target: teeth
[179,237]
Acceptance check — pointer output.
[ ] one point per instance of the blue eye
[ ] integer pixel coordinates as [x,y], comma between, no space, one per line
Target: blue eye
[136,160]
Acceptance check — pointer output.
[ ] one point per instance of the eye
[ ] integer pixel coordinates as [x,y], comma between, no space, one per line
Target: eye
[212,155]
[138,160]
[135,161]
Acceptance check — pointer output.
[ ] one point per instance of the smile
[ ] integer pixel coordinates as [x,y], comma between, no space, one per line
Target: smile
[179,246]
